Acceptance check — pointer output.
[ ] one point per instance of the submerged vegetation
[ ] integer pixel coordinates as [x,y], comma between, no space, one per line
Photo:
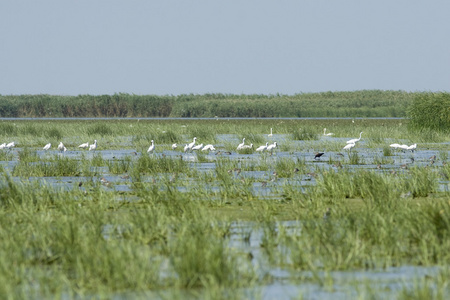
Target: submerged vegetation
[121,222]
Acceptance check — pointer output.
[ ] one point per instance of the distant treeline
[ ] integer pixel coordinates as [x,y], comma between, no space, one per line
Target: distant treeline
[365,103]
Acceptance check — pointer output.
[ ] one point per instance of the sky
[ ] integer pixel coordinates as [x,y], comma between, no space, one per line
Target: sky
[173,47]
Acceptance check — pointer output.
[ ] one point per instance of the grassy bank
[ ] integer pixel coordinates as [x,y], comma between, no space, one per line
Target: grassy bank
[366,103]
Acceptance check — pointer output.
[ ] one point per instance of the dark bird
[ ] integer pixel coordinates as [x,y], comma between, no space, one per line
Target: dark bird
[337,165]
[318,155]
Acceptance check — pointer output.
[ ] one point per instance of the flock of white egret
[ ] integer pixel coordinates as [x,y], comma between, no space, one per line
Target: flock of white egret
[403,147]
[7,146]
[193,147]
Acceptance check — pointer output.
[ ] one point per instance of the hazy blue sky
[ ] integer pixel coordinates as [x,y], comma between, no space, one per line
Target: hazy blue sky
[163,47]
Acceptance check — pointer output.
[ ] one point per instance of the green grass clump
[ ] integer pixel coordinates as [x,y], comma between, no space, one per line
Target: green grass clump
[431,112]
[99,129]
[305,134]
[147,164]
[53,133]
[59,166]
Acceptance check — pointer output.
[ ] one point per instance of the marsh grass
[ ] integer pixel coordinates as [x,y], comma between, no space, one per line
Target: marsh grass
[53,133]
[443,155]
[421,182]
[8,129]
[171,231]
[354,159]
[253,138]
[387,151]
[377,160]
[286,167]
[59,166]
[119,166]
[99,129]
[146,164]
[305,134]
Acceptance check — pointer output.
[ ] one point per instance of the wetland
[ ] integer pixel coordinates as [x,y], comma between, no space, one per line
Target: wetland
[121,222]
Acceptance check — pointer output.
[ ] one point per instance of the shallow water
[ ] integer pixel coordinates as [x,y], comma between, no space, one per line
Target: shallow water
[246,237]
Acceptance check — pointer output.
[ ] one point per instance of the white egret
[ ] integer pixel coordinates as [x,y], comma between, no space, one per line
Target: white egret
[83,146]
[151,148]
[241,145]
[61,146]
[403,147]
[198,147]
[174,146]
[10,145]
[186,148]
[412,147]
[46,147]
[270,133]
[209,147]
[191,145]
[271,146]
[354,141]
[2,146]
[93,146]
[349,146]
[262,148]
[247,146]
[395,145]
[327,134]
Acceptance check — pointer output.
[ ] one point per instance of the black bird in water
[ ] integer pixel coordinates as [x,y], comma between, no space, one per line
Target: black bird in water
[318,155]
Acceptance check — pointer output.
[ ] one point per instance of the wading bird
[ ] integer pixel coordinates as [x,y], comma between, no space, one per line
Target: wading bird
[61,147]
[272,146]
[209,148]
[174,146]
[395,145]
[247,146]
[241,145]
[198,147]
[93,146]
[354,141]
[349,146]
[46,147]
[270,133]
[412,147]
[186,148]
[403,147]
[262,148]
[151,148]
[327,134]
[318,155]
[191,145]
[84,146]
[10,145]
